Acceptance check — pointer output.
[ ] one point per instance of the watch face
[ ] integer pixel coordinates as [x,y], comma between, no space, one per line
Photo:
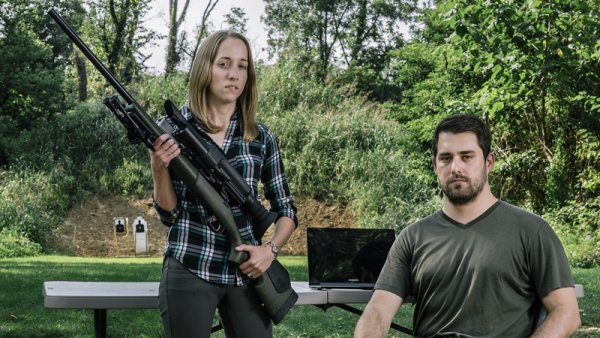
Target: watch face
[274,247]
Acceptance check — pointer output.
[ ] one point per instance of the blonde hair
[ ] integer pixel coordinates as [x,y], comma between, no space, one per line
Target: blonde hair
[201,76]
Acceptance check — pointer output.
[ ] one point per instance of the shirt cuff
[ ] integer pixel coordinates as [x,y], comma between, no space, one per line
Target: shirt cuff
[166,217]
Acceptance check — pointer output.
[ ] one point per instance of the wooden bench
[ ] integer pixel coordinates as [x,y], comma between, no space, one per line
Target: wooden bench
[102,296]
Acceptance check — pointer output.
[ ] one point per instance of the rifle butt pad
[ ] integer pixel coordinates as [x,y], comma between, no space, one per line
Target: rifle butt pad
[275,291]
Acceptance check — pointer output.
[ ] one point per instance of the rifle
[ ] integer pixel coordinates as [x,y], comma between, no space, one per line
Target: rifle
[273,287]
[212,162]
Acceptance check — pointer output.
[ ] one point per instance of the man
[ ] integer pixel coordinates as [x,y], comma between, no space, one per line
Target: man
[478,267]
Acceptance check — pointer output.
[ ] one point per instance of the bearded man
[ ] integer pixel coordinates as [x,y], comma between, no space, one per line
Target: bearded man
[479,267]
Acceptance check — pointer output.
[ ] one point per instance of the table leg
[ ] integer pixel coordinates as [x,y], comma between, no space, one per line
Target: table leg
[100,323]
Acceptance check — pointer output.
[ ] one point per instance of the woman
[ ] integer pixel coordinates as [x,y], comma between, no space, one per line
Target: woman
[197,278]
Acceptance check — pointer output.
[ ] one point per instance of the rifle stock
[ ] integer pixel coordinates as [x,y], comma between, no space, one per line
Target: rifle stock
[271,287]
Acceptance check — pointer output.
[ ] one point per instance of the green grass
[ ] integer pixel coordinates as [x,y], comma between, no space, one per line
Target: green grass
[22,313]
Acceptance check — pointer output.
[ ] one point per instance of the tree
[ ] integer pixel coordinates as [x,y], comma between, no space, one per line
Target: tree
[116,27]
[236,20]
[174,45]
[33,58]
[340,32]
[203,28]
[533,70]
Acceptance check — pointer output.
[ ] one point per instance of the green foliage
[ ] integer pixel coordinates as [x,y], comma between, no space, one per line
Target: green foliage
[133,178]
[13,244]
[532,73]
[531,70]
[342,148]
[60,162]
[152,91]
[290,83]
[87,141]
[115,28]
[32,202]
[30,77]
[579,229]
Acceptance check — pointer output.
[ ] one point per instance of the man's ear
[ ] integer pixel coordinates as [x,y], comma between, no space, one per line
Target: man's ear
[490,161]
[433,164]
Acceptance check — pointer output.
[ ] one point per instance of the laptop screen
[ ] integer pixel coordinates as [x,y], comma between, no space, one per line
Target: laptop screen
[346,258]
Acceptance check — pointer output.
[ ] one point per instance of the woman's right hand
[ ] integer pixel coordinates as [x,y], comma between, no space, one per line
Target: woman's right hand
[164,150]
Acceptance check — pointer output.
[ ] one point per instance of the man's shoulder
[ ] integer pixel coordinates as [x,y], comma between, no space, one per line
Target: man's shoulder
[507,209]
[433,218]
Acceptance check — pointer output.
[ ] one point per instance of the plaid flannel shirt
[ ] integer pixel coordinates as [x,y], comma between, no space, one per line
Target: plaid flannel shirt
[193,236]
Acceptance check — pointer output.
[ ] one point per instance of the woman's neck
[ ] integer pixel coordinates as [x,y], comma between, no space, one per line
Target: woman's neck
[221,115]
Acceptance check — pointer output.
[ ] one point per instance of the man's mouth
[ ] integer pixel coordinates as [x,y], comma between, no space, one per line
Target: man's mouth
[459,180]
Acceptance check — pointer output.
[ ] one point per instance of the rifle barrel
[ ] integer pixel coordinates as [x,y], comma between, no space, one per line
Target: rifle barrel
[90,55]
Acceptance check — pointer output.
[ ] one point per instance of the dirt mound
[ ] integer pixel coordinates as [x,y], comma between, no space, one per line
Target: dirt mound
[89,230]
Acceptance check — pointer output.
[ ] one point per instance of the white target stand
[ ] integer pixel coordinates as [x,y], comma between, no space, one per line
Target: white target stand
[140,235]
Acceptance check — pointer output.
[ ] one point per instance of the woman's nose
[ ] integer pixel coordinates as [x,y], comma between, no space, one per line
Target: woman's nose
[233,73]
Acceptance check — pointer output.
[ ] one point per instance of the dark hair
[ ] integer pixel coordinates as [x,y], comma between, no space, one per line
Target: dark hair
[464,123]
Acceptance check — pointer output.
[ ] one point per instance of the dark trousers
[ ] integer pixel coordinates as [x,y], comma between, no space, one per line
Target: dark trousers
[187,306]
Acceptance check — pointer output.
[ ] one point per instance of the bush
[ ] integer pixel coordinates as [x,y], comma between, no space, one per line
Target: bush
[32,202]
[63,161]
[577,226]
[133,178]
[13,244]
[152,91]
[352,154]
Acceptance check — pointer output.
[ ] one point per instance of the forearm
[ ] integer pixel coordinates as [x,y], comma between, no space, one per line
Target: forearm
[563,314]
[371,324]
[375,321]
[164,194]
[284,227]
[164,150]
[558,323]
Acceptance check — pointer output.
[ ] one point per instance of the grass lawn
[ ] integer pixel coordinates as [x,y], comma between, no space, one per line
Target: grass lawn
[22,313]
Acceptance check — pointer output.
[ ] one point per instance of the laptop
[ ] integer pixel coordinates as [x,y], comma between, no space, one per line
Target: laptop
[346,258]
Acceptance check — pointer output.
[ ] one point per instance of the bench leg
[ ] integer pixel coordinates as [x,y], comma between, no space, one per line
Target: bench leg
[100,323]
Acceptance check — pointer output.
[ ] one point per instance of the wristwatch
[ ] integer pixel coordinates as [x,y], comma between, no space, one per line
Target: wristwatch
[274,248]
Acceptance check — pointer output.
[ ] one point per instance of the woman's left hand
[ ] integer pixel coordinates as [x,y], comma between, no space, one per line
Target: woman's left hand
[260,259]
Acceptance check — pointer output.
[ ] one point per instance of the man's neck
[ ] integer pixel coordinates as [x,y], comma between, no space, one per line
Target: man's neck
[470,211]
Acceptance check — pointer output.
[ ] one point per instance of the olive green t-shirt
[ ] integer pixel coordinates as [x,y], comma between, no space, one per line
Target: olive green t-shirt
[481,279]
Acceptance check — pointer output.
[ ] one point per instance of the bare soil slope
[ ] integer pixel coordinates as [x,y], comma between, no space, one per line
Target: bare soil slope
[89,228]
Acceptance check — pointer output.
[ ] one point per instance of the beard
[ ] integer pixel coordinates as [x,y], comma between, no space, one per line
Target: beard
[466,192]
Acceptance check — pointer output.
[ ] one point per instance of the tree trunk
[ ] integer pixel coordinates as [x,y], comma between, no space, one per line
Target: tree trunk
[82,77]
[173,55]
[202,31]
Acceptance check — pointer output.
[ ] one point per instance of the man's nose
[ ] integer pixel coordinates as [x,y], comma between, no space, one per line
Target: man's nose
[457,166]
